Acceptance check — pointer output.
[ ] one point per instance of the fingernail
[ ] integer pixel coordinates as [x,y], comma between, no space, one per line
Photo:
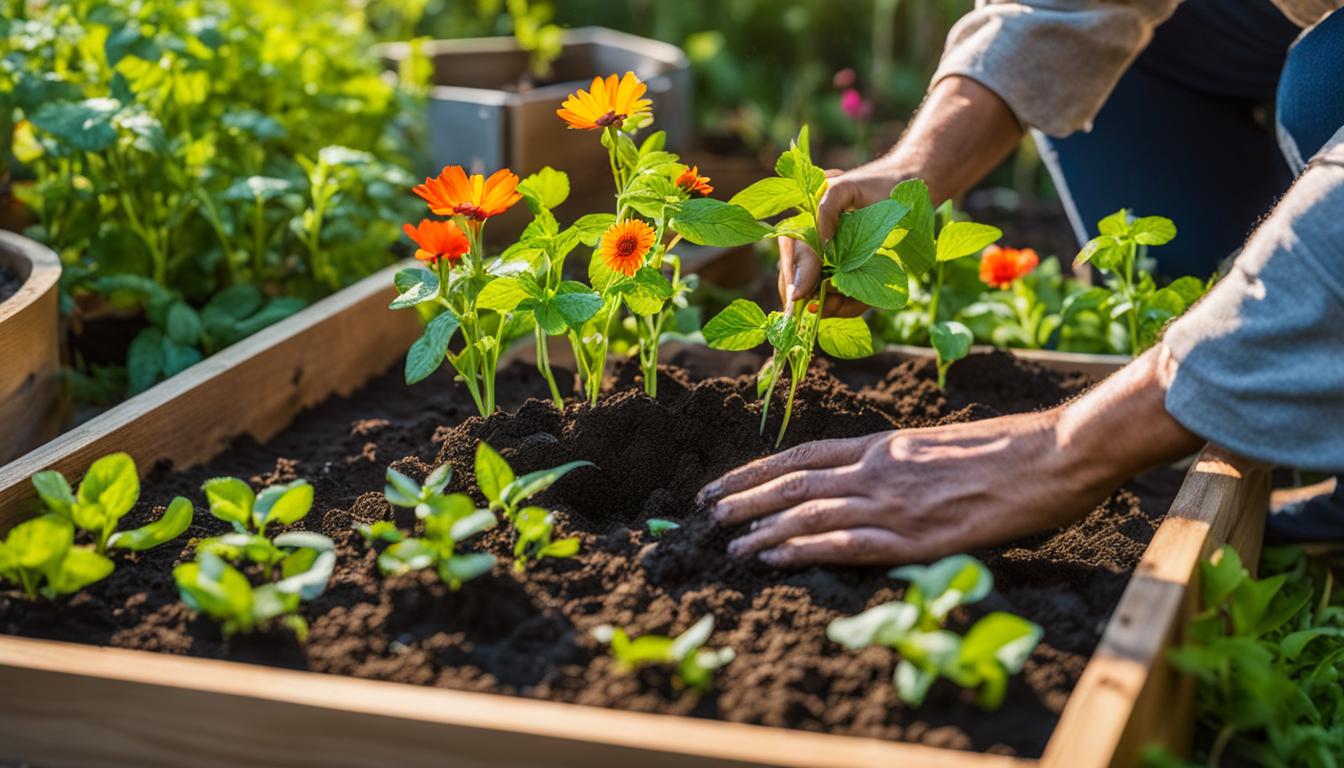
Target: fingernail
[769,557]
[707,493]
[720,512]
[736,548]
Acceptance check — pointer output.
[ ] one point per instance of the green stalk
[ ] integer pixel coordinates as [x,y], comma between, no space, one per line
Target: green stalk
[1133,304]
[937,291]
[797,373]
[544,365]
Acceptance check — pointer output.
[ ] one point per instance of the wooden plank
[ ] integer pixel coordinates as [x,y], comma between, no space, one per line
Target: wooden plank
[32,397]
[144,709]
[1096,366]
[254,387]
[1128,696]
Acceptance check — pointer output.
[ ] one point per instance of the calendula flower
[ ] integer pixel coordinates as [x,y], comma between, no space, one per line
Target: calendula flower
[999,267]
[608,102]
[454,193]
[692,183]
[438,240]
[625,244]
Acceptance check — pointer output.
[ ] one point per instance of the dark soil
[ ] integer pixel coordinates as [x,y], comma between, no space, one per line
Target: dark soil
[528,634]
[10,282]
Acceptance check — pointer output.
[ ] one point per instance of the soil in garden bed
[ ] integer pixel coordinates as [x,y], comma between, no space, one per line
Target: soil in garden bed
[528,634]
[10,282]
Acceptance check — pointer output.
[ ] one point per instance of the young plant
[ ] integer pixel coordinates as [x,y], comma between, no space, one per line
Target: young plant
[210,586]
[1145,308]
[234,502]
[106,494]
[869,259]
[655,195]
[532,525]
[694,663]
[951,340]
[447,289]
[40,557]
[448,520]
[994,649]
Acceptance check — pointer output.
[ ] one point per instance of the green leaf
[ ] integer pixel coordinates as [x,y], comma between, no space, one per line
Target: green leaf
[111,483]
[230,500]
[845,337]
[285,504]
[41,542]
[741,325]
[439,478]
[948,583]
[952,340]
[561,548]
[706,221]
[183,324]
[428,351]
[79,568]
[913,682]
[1219,580]
[781,330]
[174,522]
[878,282]
[84,125]
[1096,248]
[533,483]
[913,237]
[463,568]
[1116,224]
[406,555]
[591,227]
[576,303]
[769,197]
[312,581]
[474,523]
[658,526]
[862,232]
[646,292]
[503,294]
[493,473]
[690,640]
[547,188]
[144,360]
[54,491]
[1003,637]
[965,238]
[884,624]
[401,490]
[416,286]
[1153,230]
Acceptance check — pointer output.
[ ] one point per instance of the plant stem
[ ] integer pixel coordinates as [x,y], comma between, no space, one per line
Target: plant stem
[937,291]
[1133,301]
[544,365]
[1225,735]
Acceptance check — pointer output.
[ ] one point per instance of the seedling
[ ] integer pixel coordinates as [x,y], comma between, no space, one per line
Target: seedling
[869,259]
[107,493]
[449,519]
[994,649]
[212,587]
[506,493]
[232,501]
[39,556]
[695,664]
[658,526]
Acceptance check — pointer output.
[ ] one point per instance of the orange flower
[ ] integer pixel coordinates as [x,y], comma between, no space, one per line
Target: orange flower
[453,193]
[625,244]
[438,240]
[999,267]
[606,102]
[692,183]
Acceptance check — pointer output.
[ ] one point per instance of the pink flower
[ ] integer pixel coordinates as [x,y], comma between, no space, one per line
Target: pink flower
[844,79]
[855,106]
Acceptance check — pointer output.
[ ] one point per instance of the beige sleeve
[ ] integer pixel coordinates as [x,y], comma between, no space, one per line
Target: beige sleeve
[1054,62]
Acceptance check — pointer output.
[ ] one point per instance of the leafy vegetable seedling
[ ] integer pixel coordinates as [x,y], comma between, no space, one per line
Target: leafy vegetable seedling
[40,557]
[865,261]
[506,493]
[232,501]
[695,664]
[107,493]
[995,647]
[449,519]
[951,340]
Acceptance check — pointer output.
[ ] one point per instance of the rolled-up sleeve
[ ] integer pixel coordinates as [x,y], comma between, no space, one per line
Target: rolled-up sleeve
[1053,63]
[1261,358]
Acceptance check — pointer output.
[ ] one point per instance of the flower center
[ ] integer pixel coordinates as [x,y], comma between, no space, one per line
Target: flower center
[626,246]
[470,211]
[611,118]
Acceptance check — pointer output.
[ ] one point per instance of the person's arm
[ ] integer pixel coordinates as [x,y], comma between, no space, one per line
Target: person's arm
[917,495]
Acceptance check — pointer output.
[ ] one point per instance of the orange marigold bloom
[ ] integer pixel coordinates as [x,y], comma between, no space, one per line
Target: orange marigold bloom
[692,183]
[625,244]
[454,193]
[999,267]
[438,240]
[606,102]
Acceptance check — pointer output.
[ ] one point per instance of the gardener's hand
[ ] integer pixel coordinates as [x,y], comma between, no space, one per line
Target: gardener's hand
[799,265]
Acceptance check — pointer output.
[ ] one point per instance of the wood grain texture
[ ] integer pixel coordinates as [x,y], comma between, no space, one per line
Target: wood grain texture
[32,399]
[254,387]
[1128,696]
[1096,366]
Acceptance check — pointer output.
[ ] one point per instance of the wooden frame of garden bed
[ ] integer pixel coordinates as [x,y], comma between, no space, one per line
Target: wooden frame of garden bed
[69,704]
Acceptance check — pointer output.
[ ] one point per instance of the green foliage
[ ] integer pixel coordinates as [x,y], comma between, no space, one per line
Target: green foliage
[993,649]
[695,664]
[234,502]
[107,493]
[1267,654]
[506,493]
[40,557]
[448,520]
[658,526]
[170,182]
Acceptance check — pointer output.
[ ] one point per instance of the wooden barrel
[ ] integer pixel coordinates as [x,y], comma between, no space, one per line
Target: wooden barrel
[32,400]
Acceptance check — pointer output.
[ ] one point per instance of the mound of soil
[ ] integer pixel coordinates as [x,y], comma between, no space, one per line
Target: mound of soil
[529,634]
[10,282]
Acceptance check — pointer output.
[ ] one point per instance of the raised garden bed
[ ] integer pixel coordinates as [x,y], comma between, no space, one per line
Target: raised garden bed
[32,405]
[527,634]
[1095,366]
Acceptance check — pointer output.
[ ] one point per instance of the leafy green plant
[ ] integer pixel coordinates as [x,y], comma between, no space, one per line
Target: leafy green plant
[250,513]
[506,493]
[40,557]
[993,649]
[106,494]
[532,28]
[874,250]
[695,664]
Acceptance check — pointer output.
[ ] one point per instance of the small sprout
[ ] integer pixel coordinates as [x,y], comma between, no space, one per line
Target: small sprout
[505,492]
[995,648]
[695,665]
[658,526]
[232,501]
[40,557]
[107,493]
[448,520]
